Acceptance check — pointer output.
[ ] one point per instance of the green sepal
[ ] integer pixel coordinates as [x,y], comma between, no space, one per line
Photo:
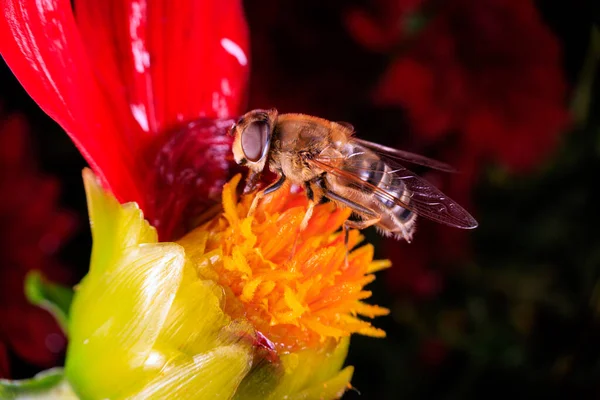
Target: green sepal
[49,384]
[54,298]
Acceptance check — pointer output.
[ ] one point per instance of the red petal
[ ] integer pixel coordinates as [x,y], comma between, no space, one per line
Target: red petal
[130,70]
[41,44]
[169,61]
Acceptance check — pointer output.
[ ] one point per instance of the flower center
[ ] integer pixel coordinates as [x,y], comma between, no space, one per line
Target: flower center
[297,298]
[187,174]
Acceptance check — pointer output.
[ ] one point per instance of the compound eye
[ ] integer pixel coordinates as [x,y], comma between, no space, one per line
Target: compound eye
[254,140]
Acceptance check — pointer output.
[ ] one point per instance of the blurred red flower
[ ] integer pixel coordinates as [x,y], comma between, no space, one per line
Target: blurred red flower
[384,24]
[488,71]
[144,89]
[482,81]
[4,364]
[32,228]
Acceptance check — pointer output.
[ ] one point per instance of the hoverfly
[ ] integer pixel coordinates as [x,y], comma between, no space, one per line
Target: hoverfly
[333,165]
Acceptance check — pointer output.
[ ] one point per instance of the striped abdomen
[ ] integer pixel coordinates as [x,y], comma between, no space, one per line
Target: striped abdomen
[365,164]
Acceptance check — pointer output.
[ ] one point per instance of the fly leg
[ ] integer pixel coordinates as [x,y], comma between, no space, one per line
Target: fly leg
[368,216]
[268,190]
[251,181]
[309,212]
[362,224]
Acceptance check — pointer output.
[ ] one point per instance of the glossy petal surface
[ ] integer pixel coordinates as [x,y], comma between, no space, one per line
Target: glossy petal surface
[142,323]
[119,75]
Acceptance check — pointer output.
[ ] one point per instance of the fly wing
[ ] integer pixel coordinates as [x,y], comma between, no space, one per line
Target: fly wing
[390,152]
[395,184]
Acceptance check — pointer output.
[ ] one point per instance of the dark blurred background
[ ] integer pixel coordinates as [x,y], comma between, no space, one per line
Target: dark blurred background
[503,89]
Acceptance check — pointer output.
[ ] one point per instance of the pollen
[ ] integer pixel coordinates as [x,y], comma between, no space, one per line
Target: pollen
[295,287]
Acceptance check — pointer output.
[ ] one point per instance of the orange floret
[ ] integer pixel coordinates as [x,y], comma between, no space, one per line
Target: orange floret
[296,300]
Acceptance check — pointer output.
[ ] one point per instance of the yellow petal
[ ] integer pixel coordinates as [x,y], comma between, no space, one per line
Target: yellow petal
[379,265]
[307,374]
[330,389]
[293,302]
[250,289]
[143,323]
[212,375]
[117,317]
[114,227]
[230,199]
